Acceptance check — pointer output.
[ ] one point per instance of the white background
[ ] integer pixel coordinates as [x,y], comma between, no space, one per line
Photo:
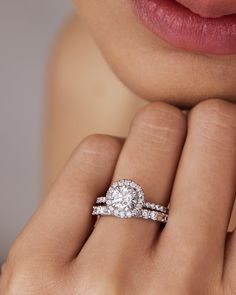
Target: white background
[27,31]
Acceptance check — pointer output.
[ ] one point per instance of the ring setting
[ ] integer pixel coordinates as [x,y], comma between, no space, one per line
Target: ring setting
[125,199]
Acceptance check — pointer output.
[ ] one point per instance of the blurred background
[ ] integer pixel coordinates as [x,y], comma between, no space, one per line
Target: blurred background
[27,32]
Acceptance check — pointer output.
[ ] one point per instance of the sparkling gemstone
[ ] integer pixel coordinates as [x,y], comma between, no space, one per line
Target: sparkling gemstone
[105,210]
[116,212]
[111,209]
[136,212]
[122,214]
[124,198]
[129,214]
[154,215]
[109,202]
[127,182]
[153,206]
[95,210]
[145,214]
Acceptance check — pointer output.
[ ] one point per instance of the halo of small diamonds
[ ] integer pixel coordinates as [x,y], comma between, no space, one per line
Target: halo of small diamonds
[125,198]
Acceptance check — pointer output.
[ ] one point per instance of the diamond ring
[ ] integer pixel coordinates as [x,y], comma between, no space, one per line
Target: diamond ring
[125,199]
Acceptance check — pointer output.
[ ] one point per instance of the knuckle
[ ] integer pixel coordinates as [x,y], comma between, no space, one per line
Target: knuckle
[163,114]
[99,288]
[12,279]
[160,122]
[215,120]
[25,276]
[101,284]
[100,144]
[98,150]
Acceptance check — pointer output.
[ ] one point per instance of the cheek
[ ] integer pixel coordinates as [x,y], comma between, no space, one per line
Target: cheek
[150,67]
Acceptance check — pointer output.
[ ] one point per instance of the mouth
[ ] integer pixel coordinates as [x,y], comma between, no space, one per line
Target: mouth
[182,28]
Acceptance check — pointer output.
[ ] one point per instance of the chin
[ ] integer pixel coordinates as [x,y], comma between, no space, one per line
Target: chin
[174,76]
[150,66]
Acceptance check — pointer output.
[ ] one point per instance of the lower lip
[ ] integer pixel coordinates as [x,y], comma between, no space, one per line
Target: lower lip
[184,29]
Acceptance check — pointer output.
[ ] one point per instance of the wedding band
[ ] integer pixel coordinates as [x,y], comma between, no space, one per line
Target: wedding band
[147,205]
[145,214]
[125,199]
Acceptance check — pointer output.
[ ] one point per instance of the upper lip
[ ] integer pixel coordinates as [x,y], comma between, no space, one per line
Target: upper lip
[210,8]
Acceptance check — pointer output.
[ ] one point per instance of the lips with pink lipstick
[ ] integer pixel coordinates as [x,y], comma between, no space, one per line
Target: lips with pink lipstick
[181,27]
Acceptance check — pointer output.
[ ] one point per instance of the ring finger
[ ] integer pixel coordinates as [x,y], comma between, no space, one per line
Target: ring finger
[149,157]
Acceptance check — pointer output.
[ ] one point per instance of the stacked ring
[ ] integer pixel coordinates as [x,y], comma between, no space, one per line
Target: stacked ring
[125,199]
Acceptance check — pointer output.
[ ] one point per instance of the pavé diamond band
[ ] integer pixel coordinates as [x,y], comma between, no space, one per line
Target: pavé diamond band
[147,205]
[125,199]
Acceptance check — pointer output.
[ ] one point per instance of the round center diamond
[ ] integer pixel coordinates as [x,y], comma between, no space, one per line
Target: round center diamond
[124,198]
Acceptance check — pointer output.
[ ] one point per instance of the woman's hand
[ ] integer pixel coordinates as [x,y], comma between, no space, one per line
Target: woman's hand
[59,251]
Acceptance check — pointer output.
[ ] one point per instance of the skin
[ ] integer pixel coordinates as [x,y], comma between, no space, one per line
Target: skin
[168,74]
[190,163]
[81,88]
[60,251]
